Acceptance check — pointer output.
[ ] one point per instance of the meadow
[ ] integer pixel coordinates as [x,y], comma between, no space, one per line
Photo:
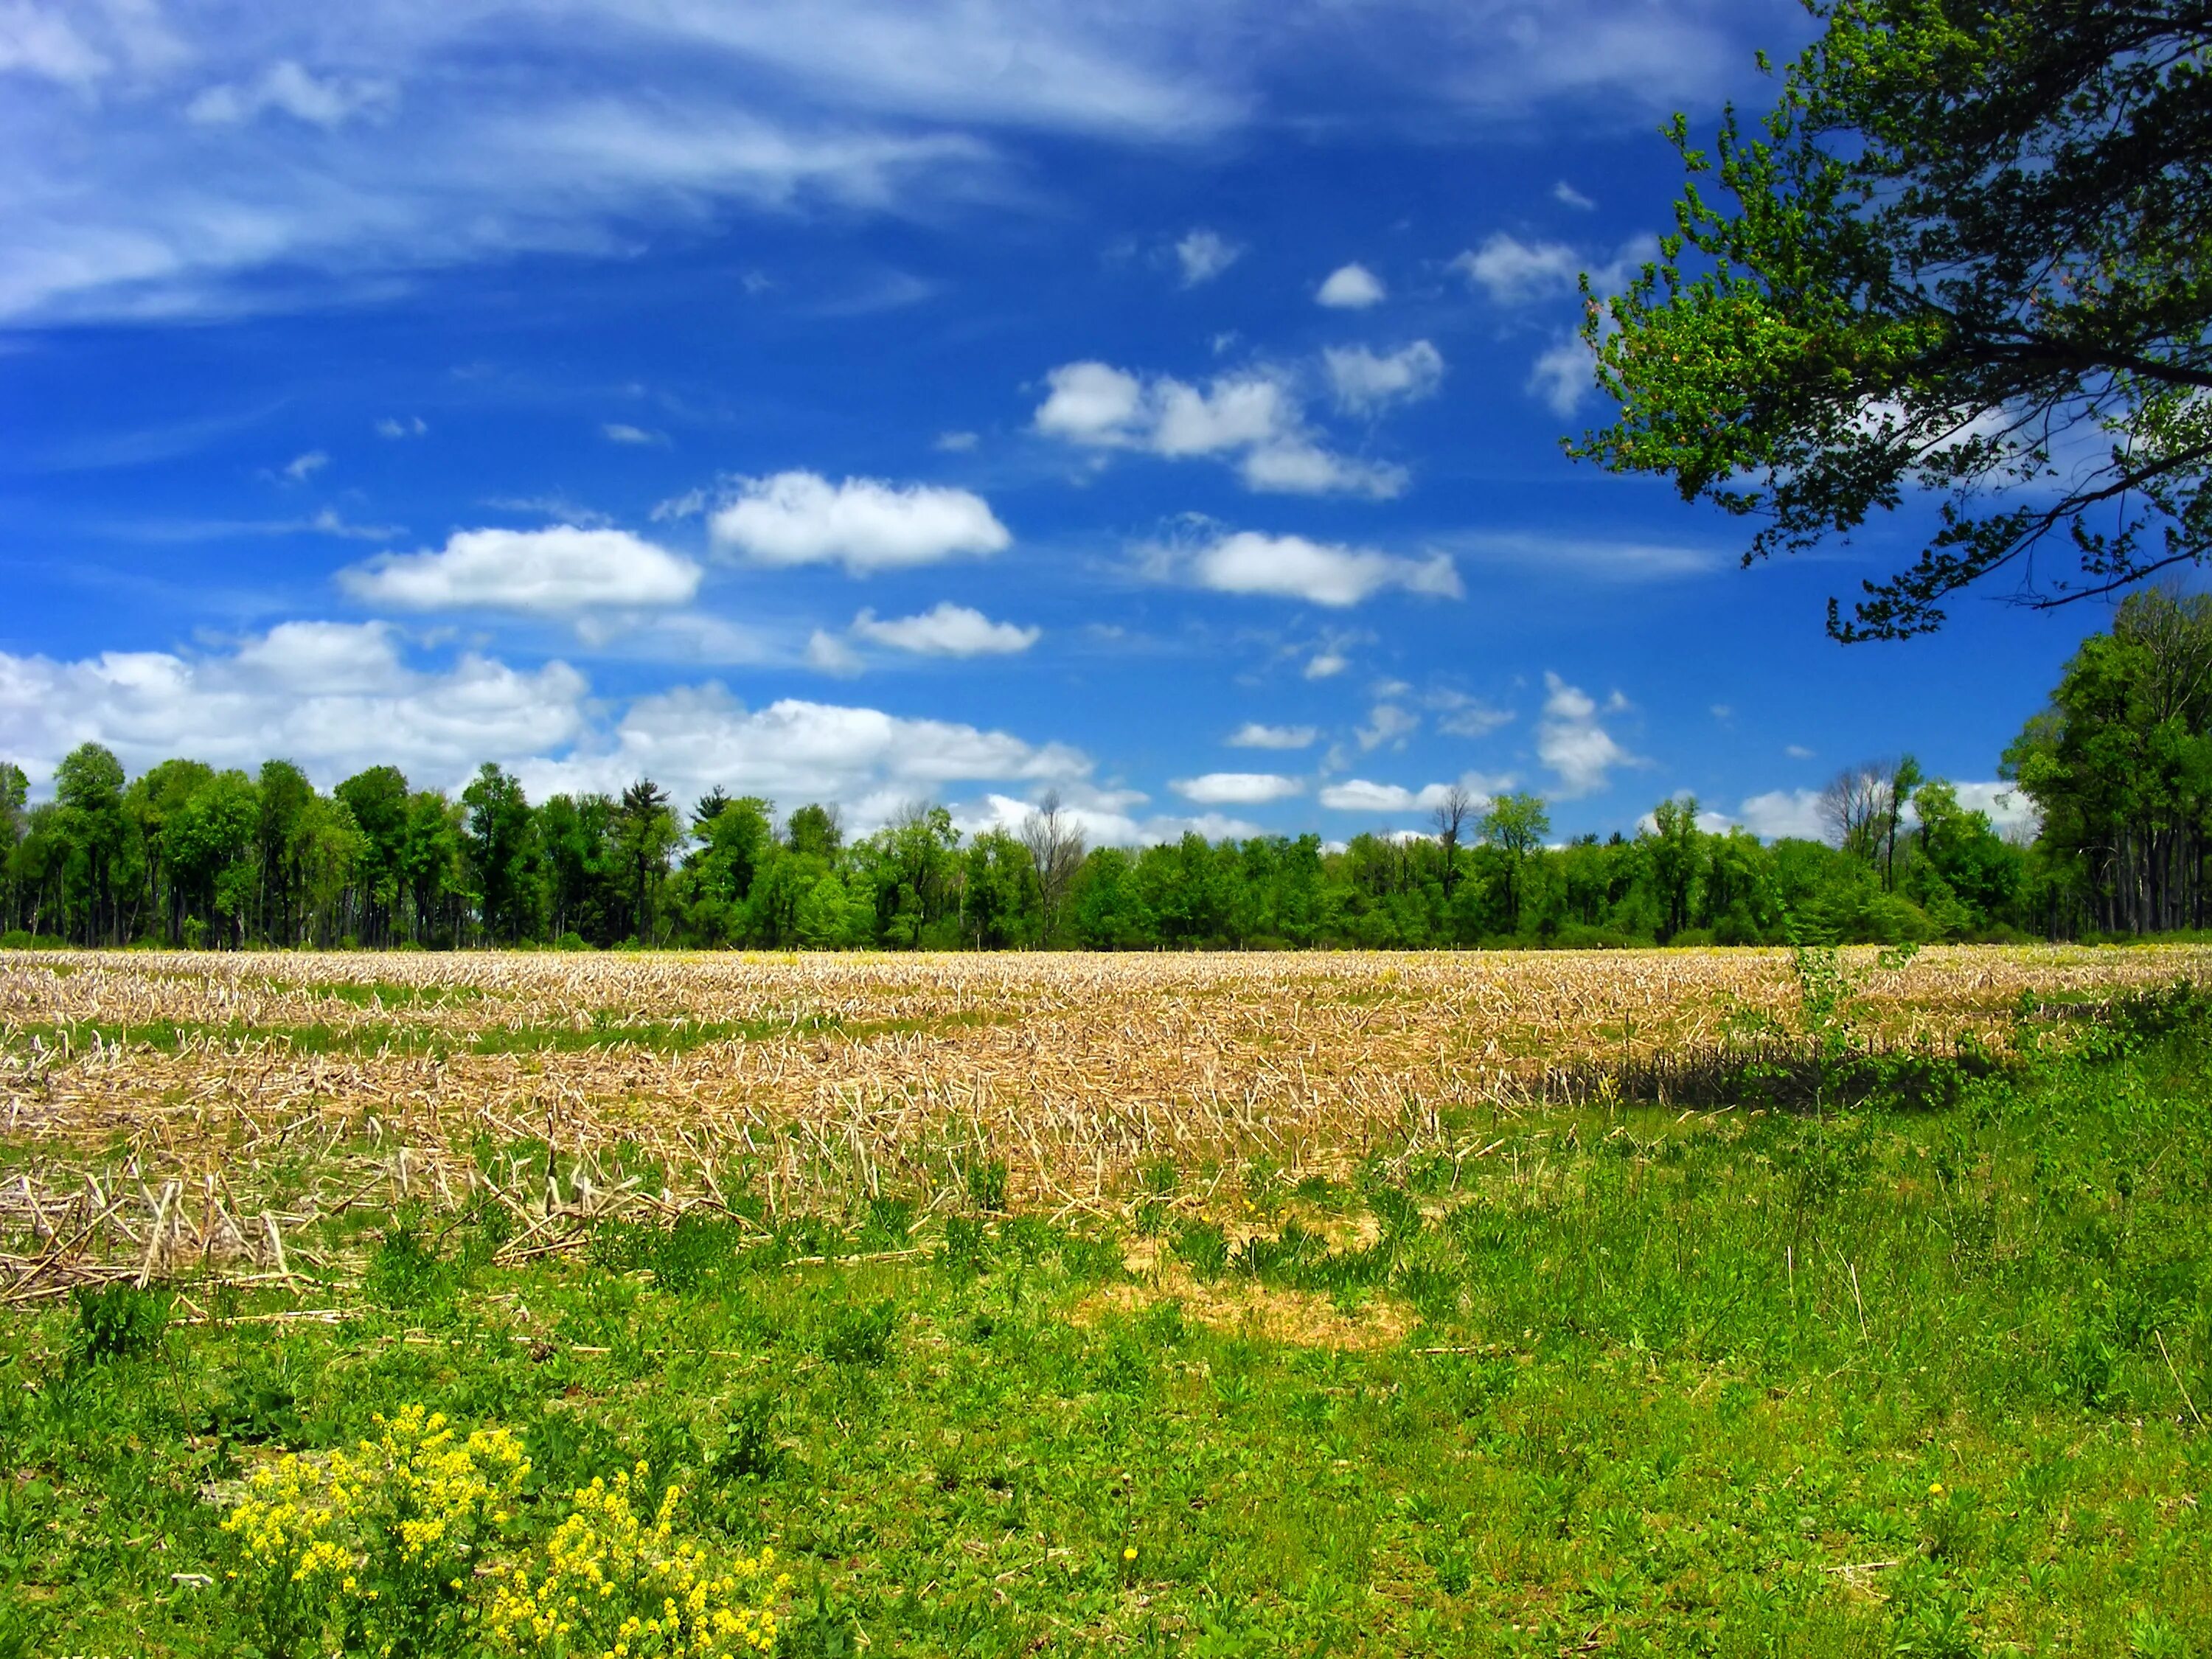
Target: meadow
[1723,1302]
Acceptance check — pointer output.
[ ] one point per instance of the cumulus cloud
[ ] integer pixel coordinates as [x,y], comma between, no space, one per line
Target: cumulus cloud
[1513,272]
[1203,255]
[335,696]
[1253,417]
[1320,573]
[291,90]
[1580,752]
[1785,812]
[1327,664]
[1796,813]
[1253,735]
[300,468]
[864,524]
[949,631]
[394,426]
[340,697]
[1361,795]
[1104,818]
[559,570]
[1562,376]
[869,762]
[2010,810]
[1236,788]
[956,443]
[1350,288]
[1363,381]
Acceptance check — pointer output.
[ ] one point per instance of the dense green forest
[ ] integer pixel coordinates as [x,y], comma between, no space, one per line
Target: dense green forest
[2119,766]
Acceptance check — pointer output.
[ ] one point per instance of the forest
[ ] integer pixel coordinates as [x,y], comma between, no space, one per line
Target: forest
[2118,767]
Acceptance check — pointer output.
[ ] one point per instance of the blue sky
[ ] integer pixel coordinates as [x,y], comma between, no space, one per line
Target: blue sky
[873,401]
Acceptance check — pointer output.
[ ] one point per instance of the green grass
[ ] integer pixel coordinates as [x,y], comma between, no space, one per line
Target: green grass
[1638,1383]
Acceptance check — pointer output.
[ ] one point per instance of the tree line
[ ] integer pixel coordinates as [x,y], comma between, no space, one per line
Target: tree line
[187,856]
[2118,766]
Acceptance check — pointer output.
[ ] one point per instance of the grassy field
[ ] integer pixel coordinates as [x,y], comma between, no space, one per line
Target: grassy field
[1304,1305]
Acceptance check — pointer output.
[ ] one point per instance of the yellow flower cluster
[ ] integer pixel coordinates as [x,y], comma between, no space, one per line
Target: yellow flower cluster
[616,1584]
[418,1485]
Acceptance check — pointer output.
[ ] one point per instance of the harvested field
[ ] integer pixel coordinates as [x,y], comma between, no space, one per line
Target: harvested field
[171,1104]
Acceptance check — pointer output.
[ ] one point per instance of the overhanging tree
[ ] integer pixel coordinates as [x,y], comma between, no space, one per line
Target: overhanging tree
[1969,251]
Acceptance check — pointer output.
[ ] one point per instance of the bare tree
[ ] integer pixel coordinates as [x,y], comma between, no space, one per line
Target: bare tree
[1055,846]
[1855,807]
[1450,817]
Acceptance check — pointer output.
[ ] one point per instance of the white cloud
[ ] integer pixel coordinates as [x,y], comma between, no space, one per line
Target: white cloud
[1253,416]
[1462,716]
[1203,255]
[412,426]
[302,468]
[1253,735]
[1785,812]
[335,696]
[1092,403]
[956,443]
[1796,812]
[1589,558]
[1360,795]
[949,631]
[585,128]
[1236,788]
[291,90]
[1562,376]
[1350,288]
[1513,272]
[1797,751]
[36,41]
[582,125]
[864,524]
[1363,381]
[622,432]
[830,655]
[1103,819]
[1567,195]
[1579,751]
[559,570]
[1388,723]
[1327,664]
[679,636]
[2010,810]
[1320,573]
[795,751]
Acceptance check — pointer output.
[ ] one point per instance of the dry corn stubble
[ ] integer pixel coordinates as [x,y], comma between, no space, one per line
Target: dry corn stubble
[149,1098]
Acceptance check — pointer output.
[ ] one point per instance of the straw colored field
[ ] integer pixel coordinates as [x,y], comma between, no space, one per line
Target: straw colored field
[199,1085]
